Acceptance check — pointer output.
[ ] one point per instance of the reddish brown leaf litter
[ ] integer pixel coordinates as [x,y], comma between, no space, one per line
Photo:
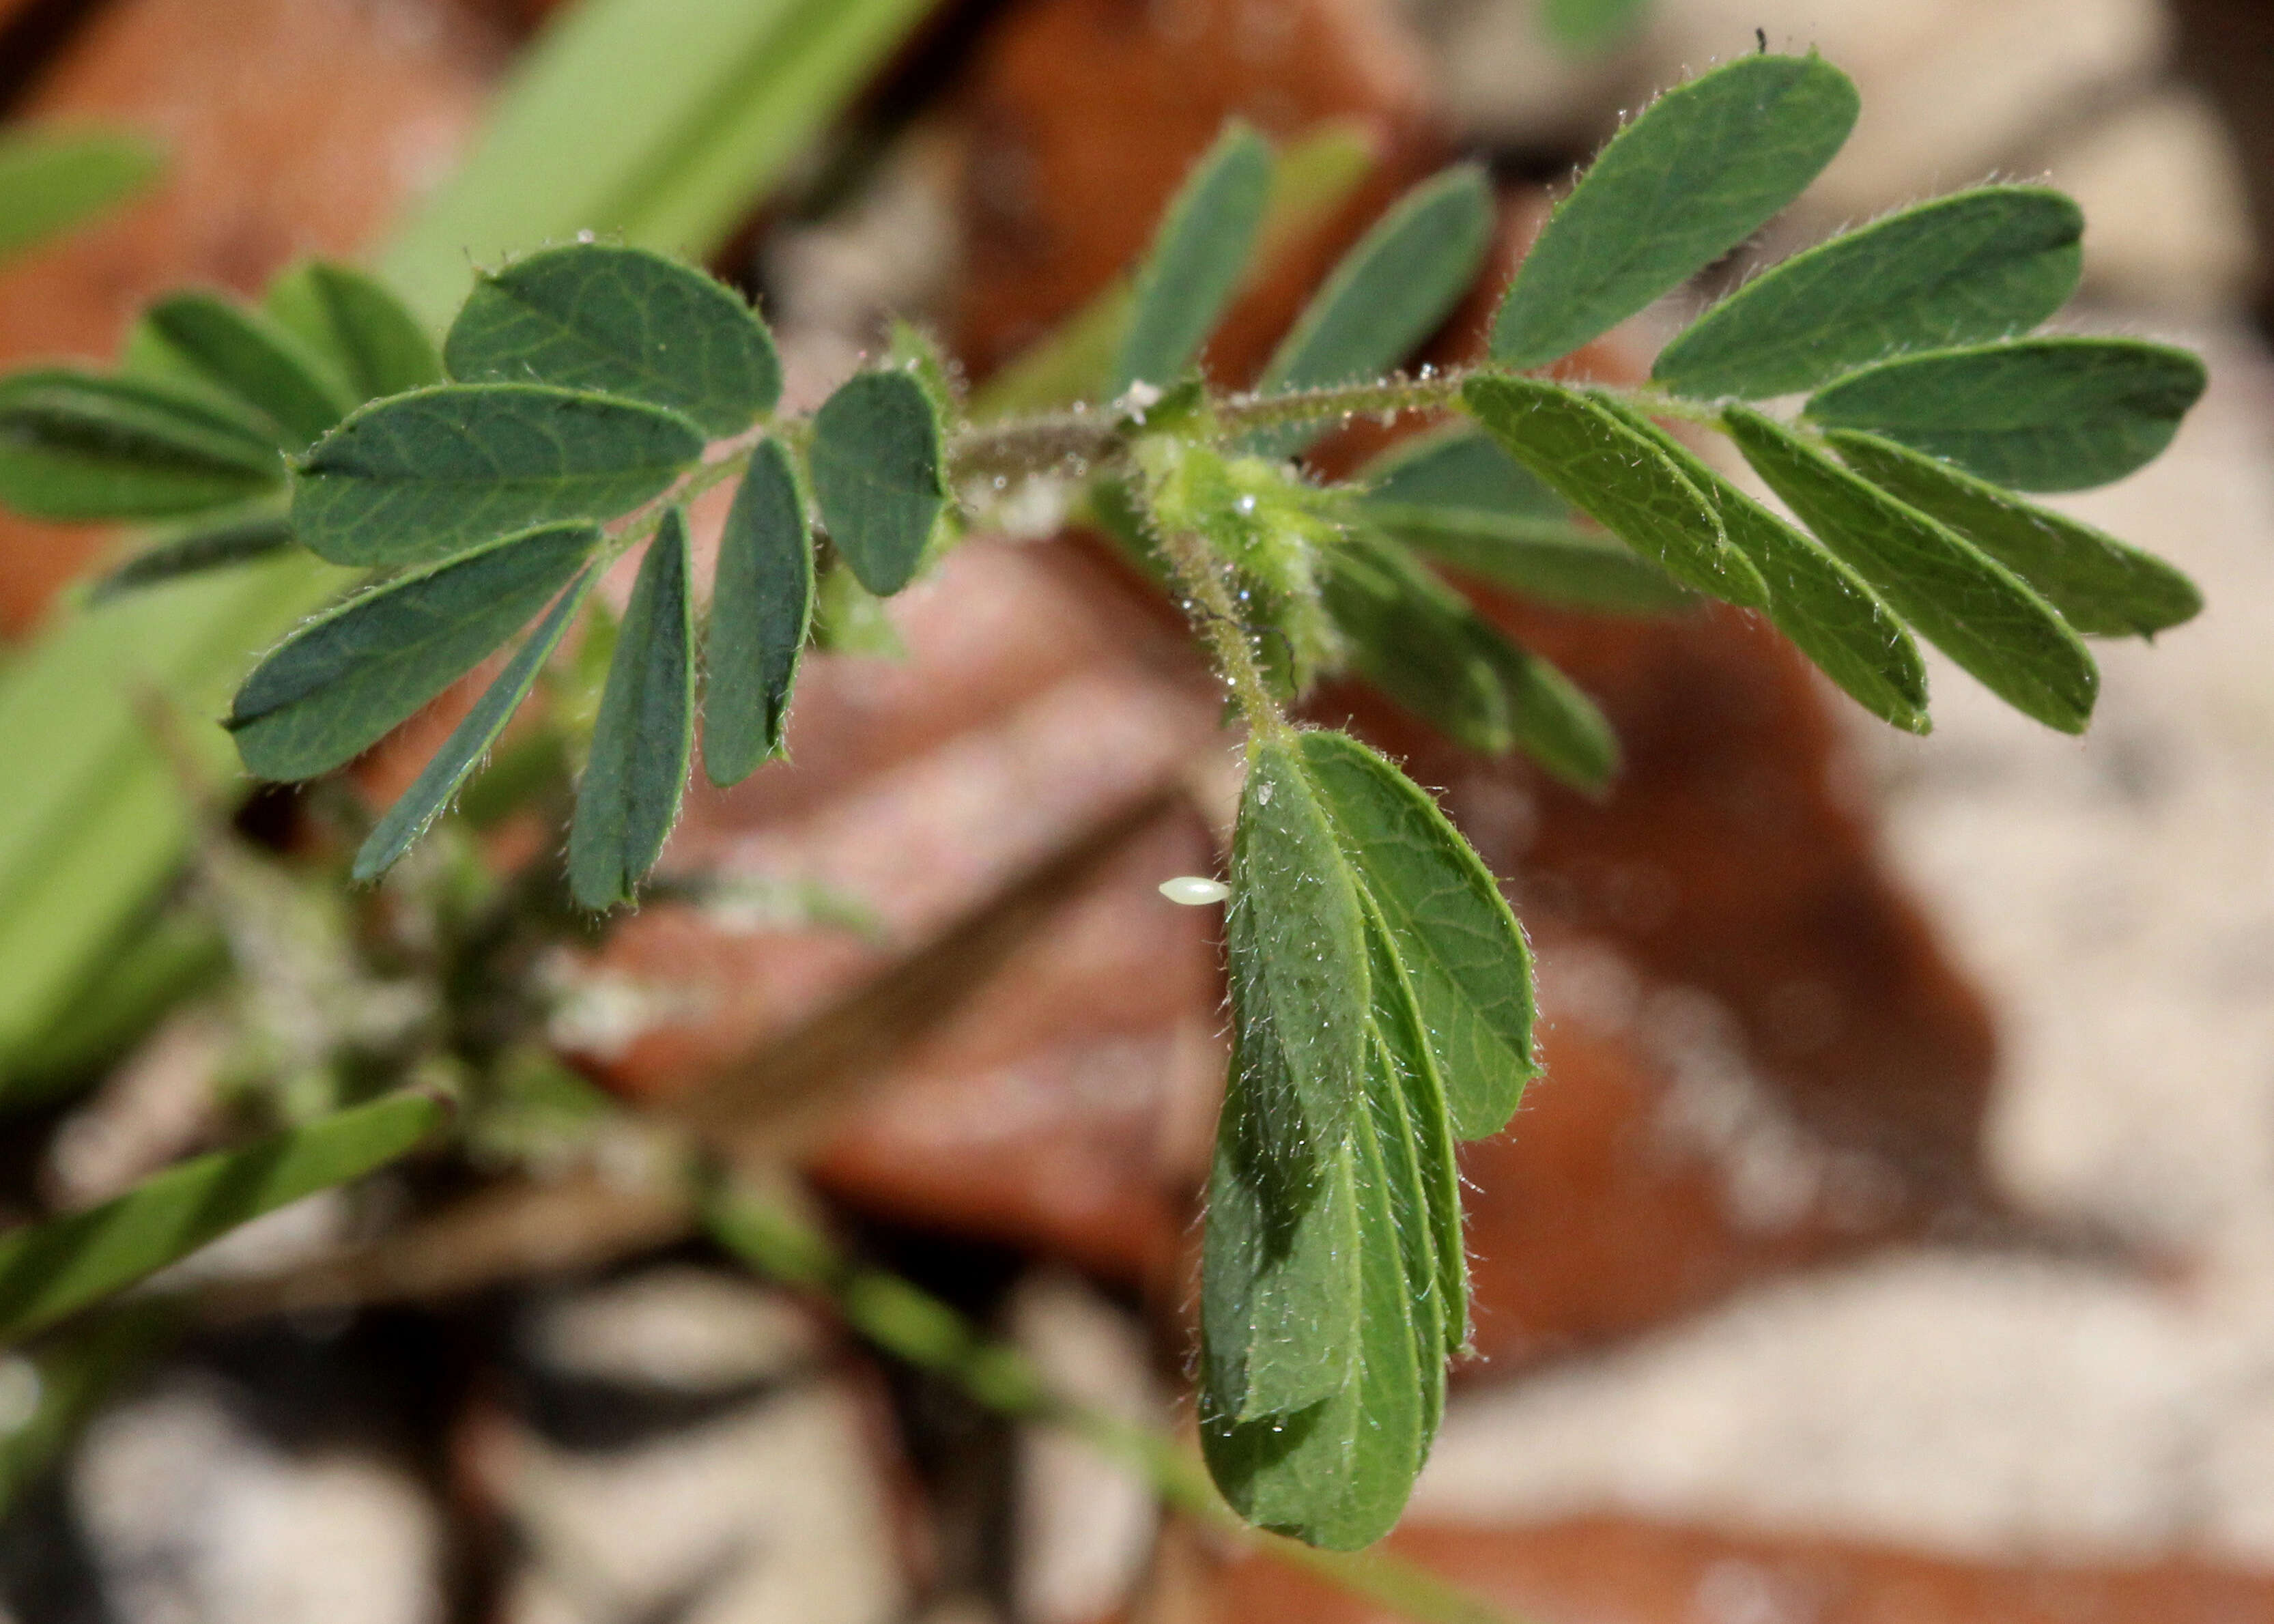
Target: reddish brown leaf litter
[1608,1570]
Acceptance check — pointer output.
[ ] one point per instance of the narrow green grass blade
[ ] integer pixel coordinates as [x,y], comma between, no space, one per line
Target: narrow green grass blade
[54,1269]
[1298,965]
[1985,264]
[354,320]
[1461,948]
[645,733]
[1620,479]
[216,546]
[90,833]
[1971,607]
[2038,414]
[54,177]
[877,475]
[761,611]
[654,122]
[1391,291]
[1830,612]
[623,321]
[423,476]
[415,811]
[1700,170]
[253,358]
[346,680]
[76,447]
[1197,258]
[2102,586]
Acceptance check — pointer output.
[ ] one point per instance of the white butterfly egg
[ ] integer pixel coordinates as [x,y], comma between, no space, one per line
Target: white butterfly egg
[1195,891]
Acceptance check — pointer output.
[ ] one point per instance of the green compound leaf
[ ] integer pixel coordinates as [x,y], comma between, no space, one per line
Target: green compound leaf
[215,546]
[417,808]
[253,358]
[1466,503]
[876,475]
[1985,264]
[1460,946]
[2102,586]
[54,1269]
[368,337]
[1423,645]
[1617,476]
[645,733]
[1830,612]
[761,610]
[1972,608]
[1298,963]
[1388,293]
[51,179]
[1700,170]
[1197,259]
[75,447]
[2039,414]
[343,681]
[426,475]
[623,321]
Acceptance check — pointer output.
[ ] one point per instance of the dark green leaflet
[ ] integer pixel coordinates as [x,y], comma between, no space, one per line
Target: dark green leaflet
[761,610]
[1552,560]
[1460,469]
[1466,503]
[74,446]
[253,358]
[2038,414]
[1391,290]
[1618,477]
[1985,264]
[240,541]
[2102,586]
[423,475]
[623,322]
[1337,1471]
[1279,1277]
[645,733]
[1972,608]
[462,752]
[52,178]
[343,681]
[54,1269]
[1197,259]
[876,461]
[355,323]
[1461,948]
[1407,1093]
[1829,611]
[1423,645]
[1298,963]
[1702,169]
